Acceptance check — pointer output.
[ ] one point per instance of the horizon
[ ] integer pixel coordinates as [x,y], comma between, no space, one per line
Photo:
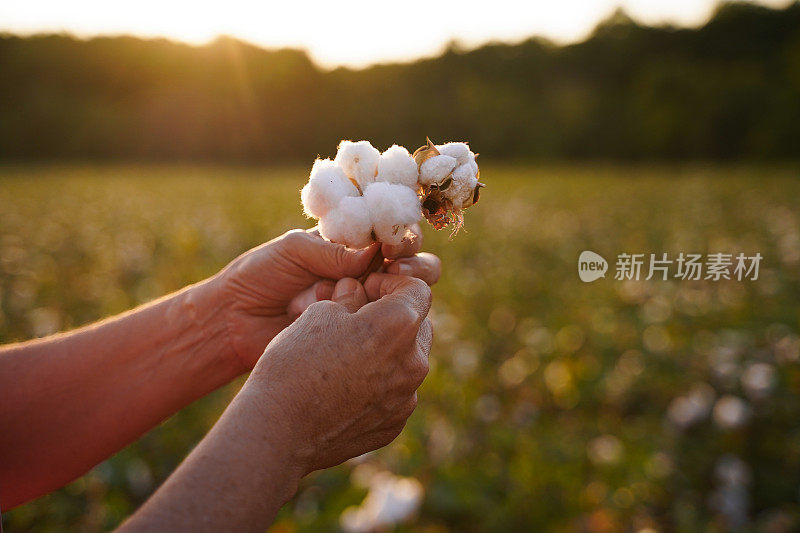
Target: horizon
[556,23]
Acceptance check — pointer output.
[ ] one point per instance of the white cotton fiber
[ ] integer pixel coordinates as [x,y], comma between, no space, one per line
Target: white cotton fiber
[435,169]
[349,223]
[359,160]
[460,151]
[326,186]
[463,186]
[397,166]
[392,208]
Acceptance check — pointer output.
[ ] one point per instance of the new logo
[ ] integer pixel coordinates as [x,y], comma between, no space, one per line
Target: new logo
[591,266]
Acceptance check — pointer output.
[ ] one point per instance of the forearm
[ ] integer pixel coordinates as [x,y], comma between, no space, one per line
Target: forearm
[70,401]
[311,402]
[236,479]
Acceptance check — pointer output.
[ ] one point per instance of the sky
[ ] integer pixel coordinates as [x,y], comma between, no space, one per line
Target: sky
[343,32]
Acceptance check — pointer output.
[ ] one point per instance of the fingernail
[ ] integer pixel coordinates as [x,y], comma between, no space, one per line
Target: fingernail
[396,267]
[404,269]
[344,287]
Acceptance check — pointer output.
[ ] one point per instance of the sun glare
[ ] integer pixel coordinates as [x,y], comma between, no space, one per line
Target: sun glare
[354,33]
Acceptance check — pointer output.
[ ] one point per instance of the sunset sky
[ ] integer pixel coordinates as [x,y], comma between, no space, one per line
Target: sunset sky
[353,33]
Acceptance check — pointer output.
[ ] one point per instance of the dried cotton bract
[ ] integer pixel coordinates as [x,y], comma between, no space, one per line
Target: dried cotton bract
[363,196]
[448,177]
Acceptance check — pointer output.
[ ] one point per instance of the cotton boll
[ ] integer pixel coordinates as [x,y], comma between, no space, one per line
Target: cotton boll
[435,169]
[460,151]
[326,186]
[348,224]
[397,166]
[359,161]
[396,201]
[463,185]
[392,208]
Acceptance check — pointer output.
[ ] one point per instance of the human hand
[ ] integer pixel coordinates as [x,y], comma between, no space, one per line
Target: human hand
[343,377]
[265,289]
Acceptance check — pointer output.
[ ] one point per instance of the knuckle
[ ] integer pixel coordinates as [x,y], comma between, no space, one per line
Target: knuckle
[325,307]
[405,317]
[294,238]
[294,235]
[395,318]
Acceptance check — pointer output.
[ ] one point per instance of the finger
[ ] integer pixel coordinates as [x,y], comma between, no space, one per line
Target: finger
[321,290]
[424,266]
[314,230]
[350,294]
[327,259]
[410,245]
[386,290]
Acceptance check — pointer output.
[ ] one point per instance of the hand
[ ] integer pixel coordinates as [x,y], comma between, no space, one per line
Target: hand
[267,288]
[403,259]
[344,376]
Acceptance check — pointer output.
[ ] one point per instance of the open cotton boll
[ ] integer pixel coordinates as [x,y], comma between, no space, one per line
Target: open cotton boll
[349,223]
[359,160]
[435,169]
[397,166]
[392,208]
[326,186]
[463,186]
[460,151]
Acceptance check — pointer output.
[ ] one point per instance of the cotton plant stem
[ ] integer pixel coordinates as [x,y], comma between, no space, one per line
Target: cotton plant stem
[374,266]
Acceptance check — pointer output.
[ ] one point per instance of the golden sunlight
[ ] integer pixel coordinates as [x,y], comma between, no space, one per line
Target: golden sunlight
[353,33]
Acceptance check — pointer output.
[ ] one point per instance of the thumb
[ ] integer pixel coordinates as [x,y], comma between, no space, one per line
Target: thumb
[387,289]
[350,294]
[327,259]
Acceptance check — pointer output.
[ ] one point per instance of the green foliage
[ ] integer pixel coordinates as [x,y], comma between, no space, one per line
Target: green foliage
[730,89]
[547,405]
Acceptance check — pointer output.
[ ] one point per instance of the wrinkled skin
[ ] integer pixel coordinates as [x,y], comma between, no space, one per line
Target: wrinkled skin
[338,382]
[346,372]
[267,288]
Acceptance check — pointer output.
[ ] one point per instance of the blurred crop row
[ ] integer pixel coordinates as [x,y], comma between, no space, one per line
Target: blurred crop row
[552,404]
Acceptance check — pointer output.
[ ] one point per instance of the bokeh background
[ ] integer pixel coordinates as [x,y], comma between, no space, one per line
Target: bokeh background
[131,167]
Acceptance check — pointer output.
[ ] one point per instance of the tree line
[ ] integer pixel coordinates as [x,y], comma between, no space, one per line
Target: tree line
[727,90]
